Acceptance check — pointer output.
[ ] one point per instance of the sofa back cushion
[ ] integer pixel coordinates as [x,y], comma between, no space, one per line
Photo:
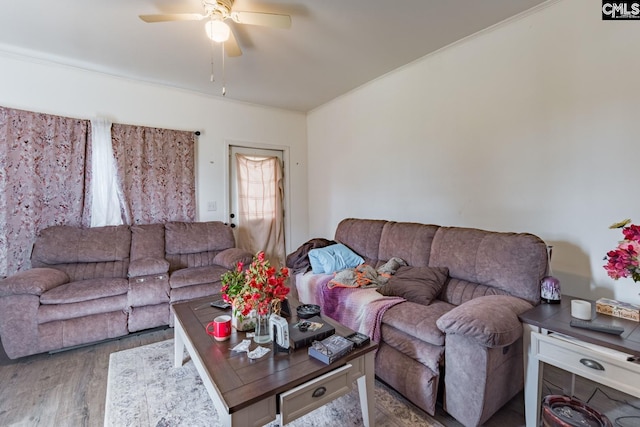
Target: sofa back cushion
[147,241]
[194,237]
[84,253]
[195,244]
[406,240]
[457,291]
[510,262]
[63,244]
[362,236]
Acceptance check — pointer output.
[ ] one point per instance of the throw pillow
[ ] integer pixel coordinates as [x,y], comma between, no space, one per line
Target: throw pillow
[416,284]
[333,258]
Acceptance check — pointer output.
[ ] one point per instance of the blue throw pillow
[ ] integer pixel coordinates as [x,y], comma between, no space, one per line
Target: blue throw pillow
[333,258]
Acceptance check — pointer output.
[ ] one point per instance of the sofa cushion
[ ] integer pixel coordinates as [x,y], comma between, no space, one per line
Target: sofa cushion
[53,312]
[512,262]
[196,276]
[192,292]
[34,281]
[229,258]
[407,240]
[362,236]
[147,241]
[333,258]
[491,321]
[416,284]
[65,244]
[417,320]
[85,290]
[458,291]
[95,270]
[148,266]
[200,259]
[194,237]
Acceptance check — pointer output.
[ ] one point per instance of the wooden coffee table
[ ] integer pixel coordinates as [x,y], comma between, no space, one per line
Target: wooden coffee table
[249,392]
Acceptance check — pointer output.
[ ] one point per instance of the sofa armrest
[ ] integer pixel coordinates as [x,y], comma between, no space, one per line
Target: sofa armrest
[33,282]
[491,321]
[148,266]
[229,258]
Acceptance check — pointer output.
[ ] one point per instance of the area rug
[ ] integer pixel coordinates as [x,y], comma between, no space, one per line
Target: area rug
[145,389]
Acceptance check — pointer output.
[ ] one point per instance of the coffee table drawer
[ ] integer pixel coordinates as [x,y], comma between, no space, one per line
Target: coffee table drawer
[315,393]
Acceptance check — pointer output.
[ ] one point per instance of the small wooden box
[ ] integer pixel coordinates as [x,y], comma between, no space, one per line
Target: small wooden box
[620,309]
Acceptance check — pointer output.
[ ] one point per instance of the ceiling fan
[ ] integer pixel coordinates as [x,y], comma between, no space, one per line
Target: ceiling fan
[218,11]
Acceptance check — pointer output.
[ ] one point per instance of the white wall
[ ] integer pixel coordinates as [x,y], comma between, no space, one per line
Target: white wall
[49,88]
[529,126]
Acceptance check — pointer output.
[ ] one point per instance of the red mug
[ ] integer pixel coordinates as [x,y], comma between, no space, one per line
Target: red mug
[220,328]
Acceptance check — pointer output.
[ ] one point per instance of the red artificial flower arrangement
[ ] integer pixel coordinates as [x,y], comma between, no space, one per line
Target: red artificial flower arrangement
[623,260]
[260,287]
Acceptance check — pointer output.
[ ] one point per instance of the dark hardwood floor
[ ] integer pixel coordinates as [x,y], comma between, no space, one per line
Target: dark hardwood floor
[69,388]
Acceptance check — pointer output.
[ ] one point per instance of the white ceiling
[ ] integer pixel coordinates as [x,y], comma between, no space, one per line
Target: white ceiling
[333,46]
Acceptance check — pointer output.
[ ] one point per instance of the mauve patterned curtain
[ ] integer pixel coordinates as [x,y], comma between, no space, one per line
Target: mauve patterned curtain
[42,180]
[260,206]
[156,172]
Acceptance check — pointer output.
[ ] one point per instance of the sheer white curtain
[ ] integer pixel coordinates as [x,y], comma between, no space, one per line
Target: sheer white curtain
[260,206]
[105,203]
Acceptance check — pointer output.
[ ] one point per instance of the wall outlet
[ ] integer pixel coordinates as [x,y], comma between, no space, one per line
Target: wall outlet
[212,206]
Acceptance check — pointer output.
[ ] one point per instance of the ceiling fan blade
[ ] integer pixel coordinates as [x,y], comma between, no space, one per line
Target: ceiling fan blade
[272,20]
[231,46]
[172,17]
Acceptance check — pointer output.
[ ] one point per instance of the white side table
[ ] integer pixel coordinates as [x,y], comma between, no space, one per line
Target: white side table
[549,339]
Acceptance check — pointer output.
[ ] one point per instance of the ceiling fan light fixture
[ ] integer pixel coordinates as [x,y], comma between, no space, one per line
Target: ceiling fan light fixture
[217,30]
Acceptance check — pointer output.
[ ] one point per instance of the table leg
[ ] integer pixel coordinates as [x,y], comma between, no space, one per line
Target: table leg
[572,391]
[366,390]
[533,370]
[178,344]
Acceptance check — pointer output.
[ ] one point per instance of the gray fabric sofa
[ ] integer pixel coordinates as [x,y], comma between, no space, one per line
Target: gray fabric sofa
[91,284]
[468,339]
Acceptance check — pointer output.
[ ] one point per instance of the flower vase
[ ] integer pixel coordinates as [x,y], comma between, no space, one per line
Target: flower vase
[262,335]
[243,323]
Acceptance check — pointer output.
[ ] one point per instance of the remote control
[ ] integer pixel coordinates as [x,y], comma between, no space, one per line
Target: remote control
[220,303]
[599,327]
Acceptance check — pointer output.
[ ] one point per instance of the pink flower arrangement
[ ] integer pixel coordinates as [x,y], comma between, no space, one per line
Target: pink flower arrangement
[260,287]
[623,260]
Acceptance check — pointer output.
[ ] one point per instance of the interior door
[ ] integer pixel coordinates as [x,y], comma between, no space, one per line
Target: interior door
[234,219]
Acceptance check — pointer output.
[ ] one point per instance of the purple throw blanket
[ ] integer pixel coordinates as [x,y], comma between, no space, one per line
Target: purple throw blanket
[360,309]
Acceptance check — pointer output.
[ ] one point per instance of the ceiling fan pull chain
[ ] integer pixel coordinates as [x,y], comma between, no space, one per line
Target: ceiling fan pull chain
[212,78]
[224,78]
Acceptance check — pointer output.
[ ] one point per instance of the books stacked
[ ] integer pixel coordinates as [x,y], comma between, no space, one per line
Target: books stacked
[619,309]
[330,349]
